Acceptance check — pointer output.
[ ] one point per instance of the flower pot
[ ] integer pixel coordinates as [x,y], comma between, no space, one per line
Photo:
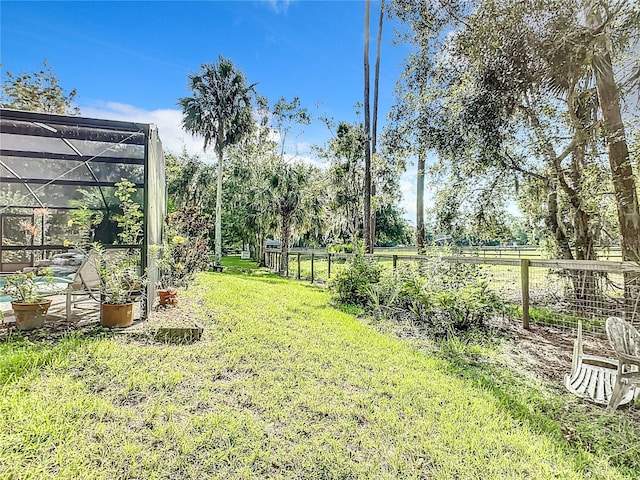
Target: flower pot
[116,315]
[30,315]
[168,296]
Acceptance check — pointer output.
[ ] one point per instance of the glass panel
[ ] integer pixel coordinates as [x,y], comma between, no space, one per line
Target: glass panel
[69,196]
[15,229]
[106,149]
[47,169]
[114,172]
[16,194]
[20,257]
[26,143]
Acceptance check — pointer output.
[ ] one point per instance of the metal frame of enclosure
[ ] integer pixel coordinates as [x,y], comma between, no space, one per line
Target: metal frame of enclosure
[56,170]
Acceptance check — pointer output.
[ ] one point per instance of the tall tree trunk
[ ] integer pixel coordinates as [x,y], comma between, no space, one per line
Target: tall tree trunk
[285,235]
[564,249]
[621,171]
[420,237]
[367,129]
[374,129]
[585,237]
[218,227]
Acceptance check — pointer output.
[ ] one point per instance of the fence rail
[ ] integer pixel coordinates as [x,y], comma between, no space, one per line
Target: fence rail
[517,251]
[551,292]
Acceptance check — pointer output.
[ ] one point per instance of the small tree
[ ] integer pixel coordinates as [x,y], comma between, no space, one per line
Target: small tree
[37,92]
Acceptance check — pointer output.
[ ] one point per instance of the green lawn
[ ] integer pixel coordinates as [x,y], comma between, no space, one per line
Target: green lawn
[281,386]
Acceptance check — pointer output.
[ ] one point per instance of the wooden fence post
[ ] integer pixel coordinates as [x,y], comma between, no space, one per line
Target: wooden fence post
[395,263]
[524,280]
[328,265]
[312,255]
[298,265]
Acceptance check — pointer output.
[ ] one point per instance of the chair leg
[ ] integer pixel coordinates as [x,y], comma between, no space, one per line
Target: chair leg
[618,394]
[68,306]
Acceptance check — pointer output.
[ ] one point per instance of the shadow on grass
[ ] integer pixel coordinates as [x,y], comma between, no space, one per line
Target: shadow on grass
[570,425]
[249,270]
[233,264]
[22,353]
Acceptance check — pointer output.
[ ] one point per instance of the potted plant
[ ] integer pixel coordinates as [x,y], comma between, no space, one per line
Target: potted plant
[170,270]
[29,303]
[120,286]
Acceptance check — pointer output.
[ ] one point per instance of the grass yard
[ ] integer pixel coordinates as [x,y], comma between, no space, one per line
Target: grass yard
[281,386]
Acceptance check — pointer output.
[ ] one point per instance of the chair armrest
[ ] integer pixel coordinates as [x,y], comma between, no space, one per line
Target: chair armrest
[628,359]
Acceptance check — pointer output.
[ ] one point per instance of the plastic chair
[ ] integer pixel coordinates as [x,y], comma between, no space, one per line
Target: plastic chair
[592,377]
[625,340]
[85,283]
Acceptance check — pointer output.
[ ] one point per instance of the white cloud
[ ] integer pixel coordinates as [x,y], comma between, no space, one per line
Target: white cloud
[279,6]
[168,121]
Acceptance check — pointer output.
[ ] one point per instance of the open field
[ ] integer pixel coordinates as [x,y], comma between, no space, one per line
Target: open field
[282,385]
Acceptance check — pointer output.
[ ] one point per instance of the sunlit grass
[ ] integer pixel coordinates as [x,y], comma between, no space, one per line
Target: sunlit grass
[281,386]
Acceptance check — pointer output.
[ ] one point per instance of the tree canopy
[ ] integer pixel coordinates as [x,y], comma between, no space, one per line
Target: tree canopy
[37,92]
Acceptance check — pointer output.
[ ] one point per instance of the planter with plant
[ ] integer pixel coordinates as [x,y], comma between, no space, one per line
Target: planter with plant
[120,285]
[29,302]
[121,282]
[170,271]
[185,253]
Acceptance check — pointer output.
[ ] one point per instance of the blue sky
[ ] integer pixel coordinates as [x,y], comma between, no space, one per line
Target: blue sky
[130,60]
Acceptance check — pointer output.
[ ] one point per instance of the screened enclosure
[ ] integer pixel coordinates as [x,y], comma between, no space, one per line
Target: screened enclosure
[62,180]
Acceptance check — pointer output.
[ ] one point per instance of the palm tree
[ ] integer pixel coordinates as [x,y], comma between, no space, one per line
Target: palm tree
[289,191]
[220,111]
[374,126]
[367,129]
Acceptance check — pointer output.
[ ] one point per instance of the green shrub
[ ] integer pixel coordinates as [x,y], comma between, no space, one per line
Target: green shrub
[350,285]
[357,247]
[469,306]
[383,296]
[444,297]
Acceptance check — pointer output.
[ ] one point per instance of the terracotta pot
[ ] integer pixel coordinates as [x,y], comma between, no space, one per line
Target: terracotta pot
[30,315]
[168,296]
[116,315]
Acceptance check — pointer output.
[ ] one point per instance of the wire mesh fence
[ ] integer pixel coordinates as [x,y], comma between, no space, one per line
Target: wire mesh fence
[547,292]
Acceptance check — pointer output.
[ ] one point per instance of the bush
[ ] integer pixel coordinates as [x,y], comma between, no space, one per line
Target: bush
[351,284]
[357,247]
[469,306]
[444,297]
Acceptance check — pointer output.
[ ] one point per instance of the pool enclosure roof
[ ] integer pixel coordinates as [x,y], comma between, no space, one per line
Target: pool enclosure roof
[54,165]
[45,158]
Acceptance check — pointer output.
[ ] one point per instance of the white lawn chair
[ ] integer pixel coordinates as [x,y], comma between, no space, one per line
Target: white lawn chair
[592,377]
[85,283]
[625,340]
